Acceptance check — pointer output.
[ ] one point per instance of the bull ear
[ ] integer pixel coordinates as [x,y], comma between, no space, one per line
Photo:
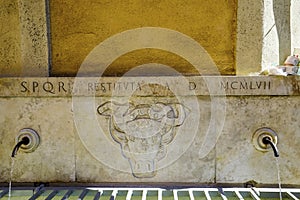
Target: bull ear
[105,109]
[180,113]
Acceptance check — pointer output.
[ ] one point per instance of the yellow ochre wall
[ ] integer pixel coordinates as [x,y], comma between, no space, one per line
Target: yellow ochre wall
[10,39]
[75,27]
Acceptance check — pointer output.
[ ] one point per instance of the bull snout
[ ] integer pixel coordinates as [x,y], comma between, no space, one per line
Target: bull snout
[143,168]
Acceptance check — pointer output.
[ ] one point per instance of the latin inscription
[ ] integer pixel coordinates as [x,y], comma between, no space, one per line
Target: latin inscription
[47,86]
[246,85]
[110,86]
[237,85]
[62,87]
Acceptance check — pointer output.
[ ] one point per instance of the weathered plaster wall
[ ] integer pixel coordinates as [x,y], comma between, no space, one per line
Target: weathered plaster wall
[10,39]
[241,36]
[23,38]
[79,26]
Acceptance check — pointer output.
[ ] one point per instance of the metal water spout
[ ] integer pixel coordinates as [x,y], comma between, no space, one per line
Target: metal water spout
[23,141]
[27,141]
[268,141]
[265,139]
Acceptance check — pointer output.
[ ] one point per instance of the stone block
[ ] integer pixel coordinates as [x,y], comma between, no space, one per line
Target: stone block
[54,159]
[237,159]
[151,134]
[102,157]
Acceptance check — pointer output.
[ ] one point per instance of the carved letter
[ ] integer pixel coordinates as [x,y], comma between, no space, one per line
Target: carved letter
[192,85]
[24,88]
[34,85]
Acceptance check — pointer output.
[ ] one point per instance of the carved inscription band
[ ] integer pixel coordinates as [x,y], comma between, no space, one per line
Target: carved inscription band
[62,86]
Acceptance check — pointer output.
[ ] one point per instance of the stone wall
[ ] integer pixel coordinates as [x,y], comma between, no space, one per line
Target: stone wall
[23,39]
[10,52]
[53,38]
[210,127]
[88,132]
[42,38]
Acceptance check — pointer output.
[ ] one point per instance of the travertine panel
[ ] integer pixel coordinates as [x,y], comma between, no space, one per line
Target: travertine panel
[238,161]
[92,138]
[182,163]
[34,41]
[249,36]
[180,86]
[79,26]
[54,159]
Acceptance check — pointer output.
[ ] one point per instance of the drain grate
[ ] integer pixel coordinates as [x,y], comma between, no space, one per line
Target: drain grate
[94,193]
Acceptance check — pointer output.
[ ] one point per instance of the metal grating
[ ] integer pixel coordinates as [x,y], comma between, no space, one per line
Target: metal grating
[94,193]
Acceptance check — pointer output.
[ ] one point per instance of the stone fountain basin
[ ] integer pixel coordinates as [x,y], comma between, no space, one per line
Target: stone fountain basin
[47,106]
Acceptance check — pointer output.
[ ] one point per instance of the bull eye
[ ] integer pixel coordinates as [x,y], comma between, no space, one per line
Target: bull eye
[171,114]
[144,112]
[132,116]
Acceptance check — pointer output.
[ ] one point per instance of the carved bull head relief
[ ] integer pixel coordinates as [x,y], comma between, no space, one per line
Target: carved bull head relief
[143,131]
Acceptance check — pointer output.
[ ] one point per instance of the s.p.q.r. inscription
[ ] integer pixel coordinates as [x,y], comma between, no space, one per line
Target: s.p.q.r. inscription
[64,86]
[58,87]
